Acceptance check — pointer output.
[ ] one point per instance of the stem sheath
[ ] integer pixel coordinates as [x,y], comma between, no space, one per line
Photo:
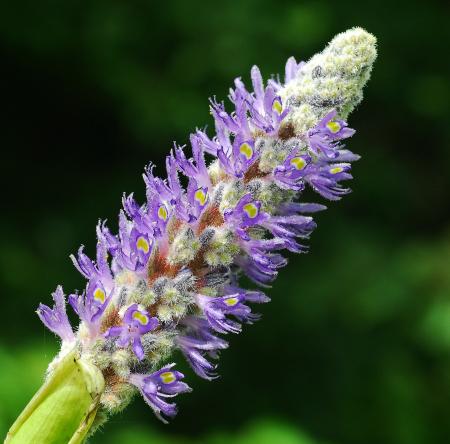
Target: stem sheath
[64,408]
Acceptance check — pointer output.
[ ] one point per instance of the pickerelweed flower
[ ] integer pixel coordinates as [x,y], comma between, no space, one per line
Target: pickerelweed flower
[170,278]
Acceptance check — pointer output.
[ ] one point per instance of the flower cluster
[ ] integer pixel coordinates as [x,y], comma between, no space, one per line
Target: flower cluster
[170,278]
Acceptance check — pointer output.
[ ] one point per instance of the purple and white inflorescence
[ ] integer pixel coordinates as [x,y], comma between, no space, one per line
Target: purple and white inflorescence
[170,278]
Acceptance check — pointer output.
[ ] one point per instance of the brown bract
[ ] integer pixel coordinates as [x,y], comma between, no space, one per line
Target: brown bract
[211,217]
[286,131]
[159,266]
[111,319]
[111,378]
[253,172]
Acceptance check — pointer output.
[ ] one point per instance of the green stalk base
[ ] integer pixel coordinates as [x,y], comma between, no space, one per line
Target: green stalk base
[64,408]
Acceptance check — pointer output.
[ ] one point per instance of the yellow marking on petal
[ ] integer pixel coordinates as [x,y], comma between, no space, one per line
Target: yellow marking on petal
[99,295]
[231,302]
[167,377]
[334,127]
[298,163]
[200,196]
[277,106]
[251,209]
[140,317]
[246,150]
[336,170]
[162,212]
[142,244]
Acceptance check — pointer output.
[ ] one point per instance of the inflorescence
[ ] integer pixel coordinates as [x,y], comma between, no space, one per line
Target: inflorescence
[170,278]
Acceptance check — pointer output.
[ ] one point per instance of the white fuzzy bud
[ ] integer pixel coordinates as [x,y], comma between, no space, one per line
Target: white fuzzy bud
[232,192]
[271,196]
[170,296]
[162,347]
[121,362]
[179,310]
[332,79]
[165,313]
[216,172]
[222,249]
[275,151]
[117,396]
[184,247]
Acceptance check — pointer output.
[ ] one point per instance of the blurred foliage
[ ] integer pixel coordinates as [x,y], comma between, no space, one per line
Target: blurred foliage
[355,346]
[261,432]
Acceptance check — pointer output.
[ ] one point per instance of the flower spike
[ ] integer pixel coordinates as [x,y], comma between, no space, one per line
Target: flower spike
[169,279]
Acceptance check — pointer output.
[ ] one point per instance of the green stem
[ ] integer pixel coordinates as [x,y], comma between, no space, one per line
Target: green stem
[64,408]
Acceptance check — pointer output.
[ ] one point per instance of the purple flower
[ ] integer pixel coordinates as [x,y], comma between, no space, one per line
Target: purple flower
[260,267]
[198,343]
[132,249]
[234,144]
[333,128]
[265,106]
[292,69]
[90,305]
[236,122]
[237,157]
[324,136]
[196,167]
[245,214]
[156,185]
[136,323]
[157,387]
[290,208]
[290,227]
[291,173]
[325,180]
[55,319]
[198,198]
[217,309]
[98,270]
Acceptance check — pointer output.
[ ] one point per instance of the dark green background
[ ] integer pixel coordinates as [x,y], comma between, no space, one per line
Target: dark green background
[354,347]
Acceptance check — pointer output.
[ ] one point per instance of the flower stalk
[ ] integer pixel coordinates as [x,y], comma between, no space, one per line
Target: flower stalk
[169,280]
[64,408]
